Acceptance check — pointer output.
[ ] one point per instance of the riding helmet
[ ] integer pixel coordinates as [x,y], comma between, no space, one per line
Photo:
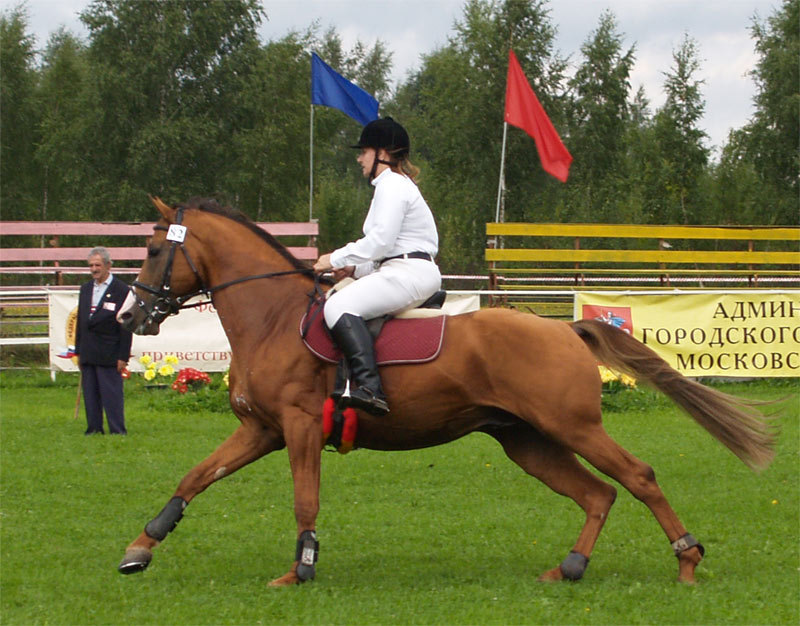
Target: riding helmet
[387,134]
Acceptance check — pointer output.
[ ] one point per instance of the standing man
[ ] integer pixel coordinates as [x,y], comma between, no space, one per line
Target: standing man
[102,345]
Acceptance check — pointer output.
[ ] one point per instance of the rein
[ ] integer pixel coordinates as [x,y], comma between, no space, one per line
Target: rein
[165,304]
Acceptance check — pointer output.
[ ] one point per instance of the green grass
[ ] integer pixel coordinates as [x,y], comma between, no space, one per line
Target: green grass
[449,535]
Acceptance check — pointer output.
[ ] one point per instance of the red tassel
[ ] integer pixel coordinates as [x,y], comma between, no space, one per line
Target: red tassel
[327,418]
[349,430]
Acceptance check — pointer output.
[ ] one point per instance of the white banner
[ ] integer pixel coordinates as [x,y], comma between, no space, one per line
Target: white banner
[194,336]
[458,303]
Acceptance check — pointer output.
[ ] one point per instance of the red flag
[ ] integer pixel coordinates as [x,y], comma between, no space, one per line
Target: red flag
[524,111]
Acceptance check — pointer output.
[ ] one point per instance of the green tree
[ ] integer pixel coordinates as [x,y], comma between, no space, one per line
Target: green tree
[640,167]
[162,71]
[66,109]
[738,194]
[599,122]
[768,144]
[681,151]
[19,118]
[267,175]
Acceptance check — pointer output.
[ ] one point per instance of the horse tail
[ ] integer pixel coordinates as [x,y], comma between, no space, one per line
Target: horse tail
[735,422]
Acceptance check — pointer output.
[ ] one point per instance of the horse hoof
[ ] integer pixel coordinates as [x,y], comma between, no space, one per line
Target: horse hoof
[285,580]
[688,560]
[574,566]
[305,572]
[135,560]
[552,575]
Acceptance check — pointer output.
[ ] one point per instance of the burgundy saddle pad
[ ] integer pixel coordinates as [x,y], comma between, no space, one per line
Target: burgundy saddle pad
[400,340]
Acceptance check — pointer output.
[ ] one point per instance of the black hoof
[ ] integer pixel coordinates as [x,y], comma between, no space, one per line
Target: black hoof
[574,566]
[135,561]
[305,572]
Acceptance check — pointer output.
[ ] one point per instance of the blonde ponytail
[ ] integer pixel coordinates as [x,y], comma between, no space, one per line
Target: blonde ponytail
[408,168]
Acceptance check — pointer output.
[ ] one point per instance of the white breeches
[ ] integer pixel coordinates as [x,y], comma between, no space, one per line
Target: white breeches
[398,285]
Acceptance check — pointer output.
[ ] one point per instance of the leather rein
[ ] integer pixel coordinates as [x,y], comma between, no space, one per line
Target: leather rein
[165,303]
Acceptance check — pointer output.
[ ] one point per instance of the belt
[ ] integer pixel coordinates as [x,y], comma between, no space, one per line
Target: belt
[408,255]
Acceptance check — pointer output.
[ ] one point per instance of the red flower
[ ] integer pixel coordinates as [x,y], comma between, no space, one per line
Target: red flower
[187,376]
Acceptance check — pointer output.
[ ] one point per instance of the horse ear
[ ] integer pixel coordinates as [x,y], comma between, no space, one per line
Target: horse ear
[167,213]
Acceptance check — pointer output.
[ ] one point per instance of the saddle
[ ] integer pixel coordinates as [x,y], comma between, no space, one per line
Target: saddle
[414,336]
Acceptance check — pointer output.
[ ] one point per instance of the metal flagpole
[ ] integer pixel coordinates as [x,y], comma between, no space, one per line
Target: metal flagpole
[311,167]
[501,184]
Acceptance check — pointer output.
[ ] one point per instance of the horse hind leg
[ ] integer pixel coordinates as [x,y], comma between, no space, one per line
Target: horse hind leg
[557,467]
[247,443]
[599,449]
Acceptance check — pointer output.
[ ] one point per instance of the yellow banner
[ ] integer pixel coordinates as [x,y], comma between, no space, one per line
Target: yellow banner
[700,334]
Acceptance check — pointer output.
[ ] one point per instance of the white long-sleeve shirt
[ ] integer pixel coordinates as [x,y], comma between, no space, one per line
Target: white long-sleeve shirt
[399,221]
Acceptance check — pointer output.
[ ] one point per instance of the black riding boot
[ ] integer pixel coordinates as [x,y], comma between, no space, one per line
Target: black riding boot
[354,340]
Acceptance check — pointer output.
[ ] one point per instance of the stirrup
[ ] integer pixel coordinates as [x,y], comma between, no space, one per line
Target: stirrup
[365,400]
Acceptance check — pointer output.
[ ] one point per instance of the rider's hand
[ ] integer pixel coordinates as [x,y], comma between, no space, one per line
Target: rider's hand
[323,263]
[343,272]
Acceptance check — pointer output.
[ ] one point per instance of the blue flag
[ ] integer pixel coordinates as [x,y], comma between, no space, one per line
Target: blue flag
[330,89]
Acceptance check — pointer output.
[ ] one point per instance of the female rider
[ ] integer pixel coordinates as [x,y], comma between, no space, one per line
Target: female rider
[393,262]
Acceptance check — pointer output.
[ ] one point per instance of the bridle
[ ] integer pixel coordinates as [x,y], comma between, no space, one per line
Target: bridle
[165,303]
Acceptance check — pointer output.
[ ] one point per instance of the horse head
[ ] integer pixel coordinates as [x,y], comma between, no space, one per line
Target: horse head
[169,275]
[199,247]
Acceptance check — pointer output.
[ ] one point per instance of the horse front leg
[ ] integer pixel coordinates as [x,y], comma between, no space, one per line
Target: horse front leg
[249,442]
[302,434]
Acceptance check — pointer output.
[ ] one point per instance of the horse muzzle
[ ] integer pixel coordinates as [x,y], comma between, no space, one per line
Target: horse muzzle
[134,318]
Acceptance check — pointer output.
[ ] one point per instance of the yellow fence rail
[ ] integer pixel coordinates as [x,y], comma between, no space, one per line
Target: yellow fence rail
[529,255]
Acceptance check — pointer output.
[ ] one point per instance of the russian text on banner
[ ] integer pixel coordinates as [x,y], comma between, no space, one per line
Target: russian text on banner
[699,334]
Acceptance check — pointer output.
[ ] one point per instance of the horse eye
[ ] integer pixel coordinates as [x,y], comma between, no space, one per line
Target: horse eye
[153,251]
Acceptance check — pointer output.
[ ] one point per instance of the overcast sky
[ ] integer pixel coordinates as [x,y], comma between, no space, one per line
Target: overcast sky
[412,28]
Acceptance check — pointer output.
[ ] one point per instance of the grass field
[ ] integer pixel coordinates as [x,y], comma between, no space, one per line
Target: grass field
[449,535]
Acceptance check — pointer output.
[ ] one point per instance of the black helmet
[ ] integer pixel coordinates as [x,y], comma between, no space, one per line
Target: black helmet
[387,134]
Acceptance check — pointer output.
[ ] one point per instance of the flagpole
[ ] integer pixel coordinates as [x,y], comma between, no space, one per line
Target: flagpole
[501,184]
[311,166]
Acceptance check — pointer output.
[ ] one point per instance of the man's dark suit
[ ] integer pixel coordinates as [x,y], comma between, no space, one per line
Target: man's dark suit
[100,343]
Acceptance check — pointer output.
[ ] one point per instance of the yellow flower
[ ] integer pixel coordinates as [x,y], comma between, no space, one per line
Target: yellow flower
[171,359]
[227,379]
[149,374]
[145,359]
[606,375]
[166,370]
[151,366]
[627,380]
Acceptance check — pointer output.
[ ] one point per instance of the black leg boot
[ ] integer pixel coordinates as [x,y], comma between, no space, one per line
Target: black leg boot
[351,335]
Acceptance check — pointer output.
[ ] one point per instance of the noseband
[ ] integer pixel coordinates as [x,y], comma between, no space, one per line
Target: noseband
[165,303]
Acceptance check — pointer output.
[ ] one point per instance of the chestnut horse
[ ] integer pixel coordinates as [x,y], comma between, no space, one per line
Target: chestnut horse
[484,380]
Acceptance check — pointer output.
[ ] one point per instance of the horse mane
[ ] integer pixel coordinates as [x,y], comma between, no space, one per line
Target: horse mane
[210,205]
